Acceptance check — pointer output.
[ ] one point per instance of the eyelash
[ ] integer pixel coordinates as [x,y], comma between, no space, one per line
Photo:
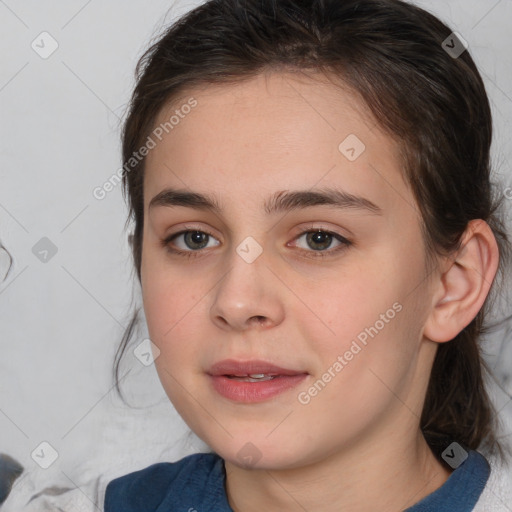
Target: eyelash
[344,244]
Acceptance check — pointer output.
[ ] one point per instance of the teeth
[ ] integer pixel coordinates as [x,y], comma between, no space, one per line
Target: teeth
[252,377]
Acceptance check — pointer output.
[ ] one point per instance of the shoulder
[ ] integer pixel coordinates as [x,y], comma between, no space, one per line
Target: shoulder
[497,494]
[146,489]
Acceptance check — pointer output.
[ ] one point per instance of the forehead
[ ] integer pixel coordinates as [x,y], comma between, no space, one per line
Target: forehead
[320,102]
[274,131]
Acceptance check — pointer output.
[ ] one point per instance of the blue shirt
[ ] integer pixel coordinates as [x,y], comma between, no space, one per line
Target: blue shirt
[196,484]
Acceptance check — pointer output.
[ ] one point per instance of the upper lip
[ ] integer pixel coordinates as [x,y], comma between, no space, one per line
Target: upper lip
[234,367]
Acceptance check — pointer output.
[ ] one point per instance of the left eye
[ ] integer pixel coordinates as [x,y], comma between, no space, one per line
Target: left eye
[320,240]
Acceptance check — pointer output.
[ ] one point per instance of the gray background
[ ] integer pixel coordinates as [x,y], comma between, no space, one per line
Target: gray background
[61,320]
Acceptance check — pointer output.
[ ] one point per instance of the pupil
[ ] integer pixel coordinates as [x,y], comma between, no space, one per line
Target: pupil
[196,237]
[323,240]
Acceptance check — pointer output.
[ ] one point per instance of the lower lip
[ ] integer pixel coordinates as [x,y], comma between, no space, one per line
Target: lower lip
[241,391]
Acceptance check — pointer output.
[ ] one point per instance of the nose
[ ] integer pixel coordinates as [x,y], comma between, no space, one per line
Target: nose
[247,297]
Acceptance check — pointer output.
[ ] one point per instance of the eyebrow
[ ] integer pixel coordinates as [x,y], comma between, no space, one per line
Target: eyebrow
[282,201]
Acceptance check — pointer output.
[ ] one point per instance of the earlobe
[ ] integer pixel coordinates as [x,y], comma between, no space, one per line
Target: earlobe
[464,283]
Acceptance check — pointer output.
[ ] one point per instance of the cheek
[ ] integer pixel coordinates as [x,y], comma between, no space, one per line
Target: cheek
[168,296]
[168,302]
[173,321]
[367,316]
[346,305]
[170,310]
[365,368]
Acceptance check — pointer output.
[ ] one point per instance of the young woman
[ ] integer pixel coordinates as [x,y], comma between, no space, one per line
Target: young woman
[316,239]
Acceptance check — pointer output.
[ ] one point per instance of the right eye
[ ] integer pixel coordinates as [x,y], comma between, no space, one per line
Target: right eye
[188,241]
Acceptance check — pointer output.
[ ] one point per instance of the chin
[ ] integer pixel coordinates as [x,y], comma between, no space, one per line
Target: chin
[264,455]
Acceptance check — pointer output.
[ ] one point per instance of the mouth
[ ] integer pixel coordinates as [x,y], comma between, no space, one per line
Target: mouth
[252,381]
[256,377]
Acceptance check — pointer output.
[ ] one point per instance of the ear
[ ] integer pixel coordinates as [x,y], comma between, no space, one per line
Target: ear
[463,284]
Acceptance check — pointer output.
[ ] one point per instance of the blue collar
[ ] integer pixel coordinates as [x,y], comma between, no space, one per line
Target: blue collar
[197,483]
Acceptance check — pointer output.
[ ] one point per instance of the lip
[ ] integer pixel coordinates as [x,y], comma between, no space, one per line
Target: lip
[234,367]
[250,392]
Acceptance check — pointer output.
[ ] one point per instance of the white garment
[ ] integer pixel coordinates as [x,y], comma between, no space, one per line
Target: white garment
[497,494]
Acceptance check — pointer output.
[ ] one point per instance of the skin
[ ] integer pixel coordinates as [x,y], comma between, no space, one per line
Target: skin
[357,445]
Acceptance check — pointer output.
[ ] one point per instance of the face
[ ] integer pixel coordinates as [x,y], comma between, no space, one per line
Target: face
[305,252]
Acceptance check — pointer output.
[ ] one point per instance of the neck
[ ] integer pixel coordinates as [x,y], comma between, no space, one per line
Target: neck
[393,478]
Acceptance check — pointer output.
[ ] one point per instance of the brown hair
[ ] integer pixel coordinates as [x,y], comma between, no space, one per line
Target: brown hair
[433,104]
